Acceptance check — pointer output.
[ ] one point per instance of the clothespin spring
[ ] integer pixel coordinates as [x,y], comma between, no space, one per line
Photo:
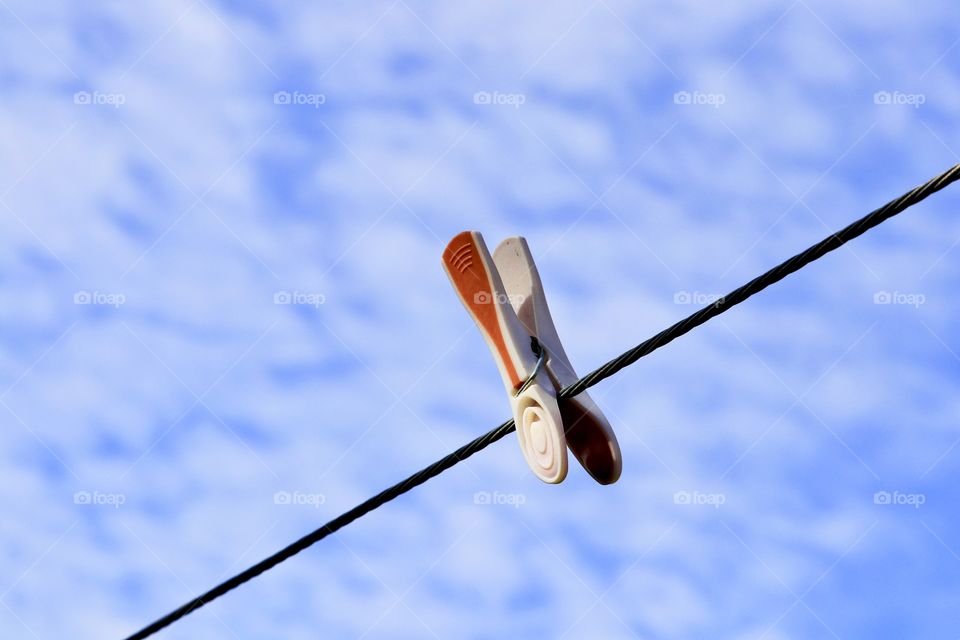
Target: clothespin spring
[541,354]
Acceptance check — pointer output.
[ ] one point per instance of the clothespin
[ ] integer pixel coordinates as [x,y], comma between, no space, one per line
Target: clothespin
[504,296]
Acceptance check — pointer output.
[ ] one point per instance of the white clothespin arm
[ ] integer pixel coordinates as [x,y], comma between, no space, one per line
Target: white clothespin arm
[588,433]
[533,401]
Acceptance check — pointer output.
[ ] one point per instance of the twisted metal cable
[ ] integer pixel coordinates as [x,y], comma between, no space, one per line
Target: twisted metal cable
[666,336]
[760,283]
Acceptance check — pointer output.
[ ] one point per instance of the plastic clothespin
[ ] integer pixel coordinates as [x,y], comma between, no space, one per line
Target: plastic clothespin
[504,296]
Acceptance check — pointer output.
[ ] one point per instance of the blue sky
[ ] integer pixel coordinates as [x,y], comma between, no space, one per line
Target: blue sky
[169,169]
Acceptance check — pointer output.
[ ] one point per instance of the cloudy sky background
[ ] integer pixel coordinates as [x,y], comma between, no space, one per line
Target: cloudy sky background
[654,155]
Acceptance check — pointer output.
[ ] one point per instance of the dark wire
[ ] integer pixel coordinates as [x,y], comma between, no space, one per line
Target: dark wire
[626,359]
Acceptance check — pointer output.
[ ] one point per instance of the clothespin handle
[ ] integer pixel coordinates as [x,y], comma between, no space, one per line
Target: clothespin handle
[477,282]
